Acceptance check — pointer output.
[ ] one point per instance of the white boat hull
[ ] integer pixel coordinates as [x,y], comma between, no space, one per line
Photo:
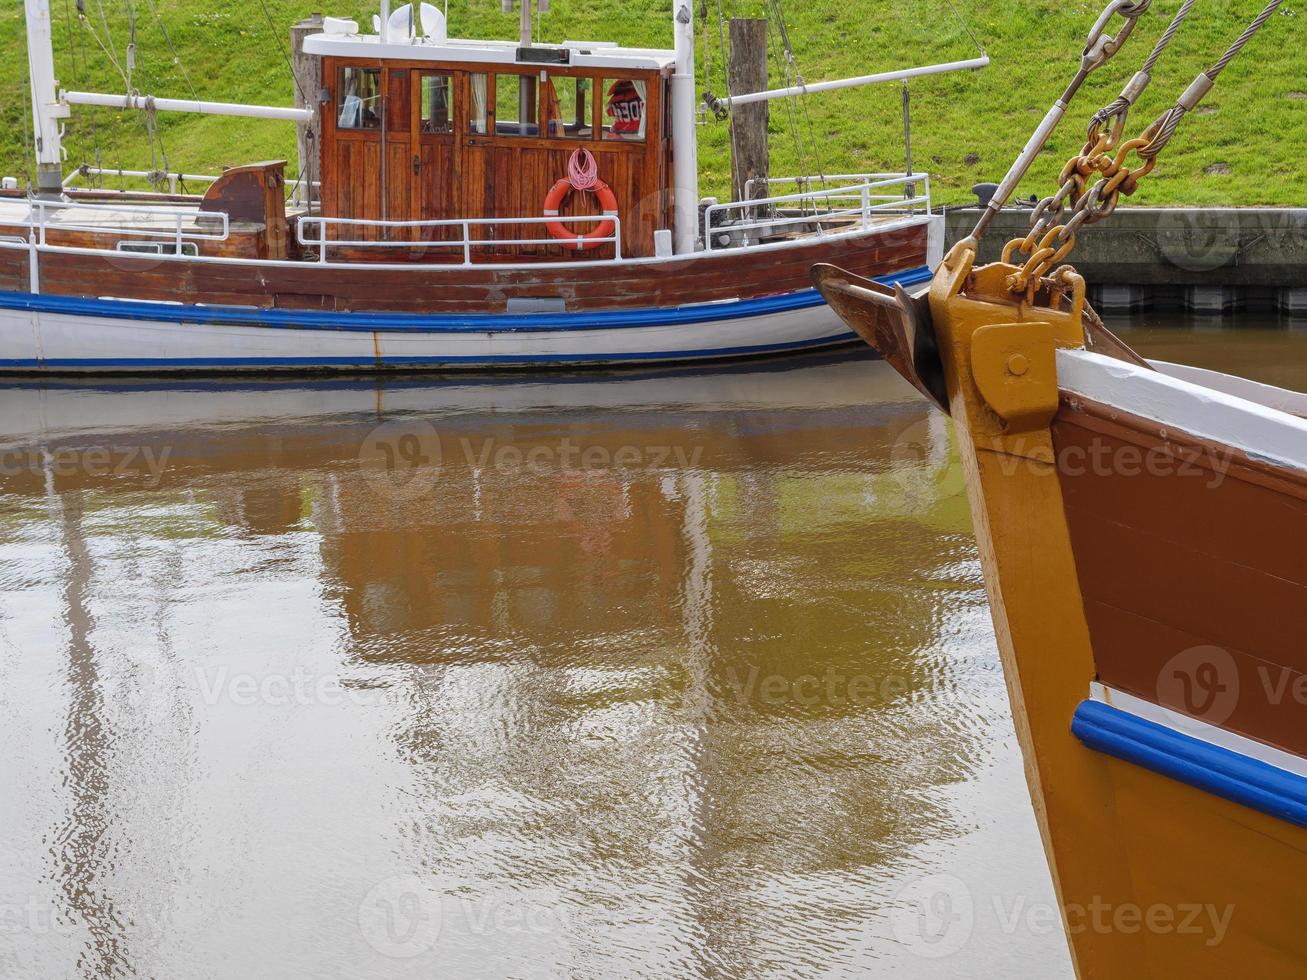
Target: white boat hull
[60,335]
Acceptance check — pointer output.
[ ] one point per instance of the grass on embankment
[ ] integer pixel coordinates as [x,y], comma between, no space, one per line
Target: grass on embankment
[1246,146]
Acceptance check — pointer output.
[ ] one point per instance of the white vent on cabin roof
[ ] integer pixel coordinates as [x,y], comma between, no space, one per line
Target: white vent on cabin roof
[339,26]
[432,20]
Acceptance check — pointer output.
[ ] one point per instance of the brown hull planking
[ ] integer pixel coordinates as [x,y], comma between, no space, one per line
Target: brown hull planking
[1189,545]
[733,275]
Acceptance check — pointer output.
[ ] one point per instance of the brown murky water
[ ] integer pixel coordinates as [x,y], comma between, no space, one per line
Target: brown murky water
[676,674]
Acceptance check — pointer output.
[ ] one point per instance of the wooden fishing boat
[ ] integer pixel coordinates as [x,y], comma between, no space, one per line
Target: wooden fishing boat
[1141,527]
[444,216]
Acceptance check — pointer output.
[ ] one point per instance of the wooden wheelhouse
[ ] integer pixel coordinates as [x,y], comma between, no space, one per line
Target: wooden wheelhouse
[472,132]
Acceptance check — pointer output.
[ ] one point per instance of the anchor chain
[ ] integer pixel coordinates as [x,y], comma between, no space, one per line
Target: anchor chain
[1050,238]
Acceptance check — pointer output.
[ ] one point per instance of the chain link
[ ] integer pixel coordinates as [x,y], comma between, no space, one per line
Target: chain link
[1051,238]
[1104,155]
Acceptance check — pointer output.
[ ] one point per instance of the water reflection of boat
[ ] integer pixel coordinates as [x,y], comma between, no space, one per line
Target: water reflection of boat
[30,408]
[565,680]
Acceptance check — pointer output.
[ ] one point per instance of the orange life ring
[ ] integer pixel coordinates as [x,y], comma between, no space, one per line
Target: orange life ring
[554,200]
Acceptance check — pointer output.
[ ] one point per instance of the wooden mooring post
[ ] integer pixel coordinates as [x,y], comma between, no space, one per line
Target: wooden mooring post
[307,74]
[748,73]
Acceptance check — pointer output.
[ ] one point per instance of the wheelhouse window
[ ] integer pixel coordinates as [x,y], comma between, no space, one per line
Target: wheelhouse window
[567,107]
[436,109]
[358,93]
[624,109]
[515,105]
[478,84]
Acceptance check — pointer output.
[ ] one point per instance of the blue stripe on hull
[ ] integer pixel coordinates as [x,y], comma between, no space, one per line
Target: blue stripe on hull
[422,323]
[1208,767]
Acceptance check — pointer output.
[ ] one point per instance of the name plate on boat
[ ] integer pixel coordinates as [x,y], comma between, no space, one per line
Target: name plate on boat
[545,56]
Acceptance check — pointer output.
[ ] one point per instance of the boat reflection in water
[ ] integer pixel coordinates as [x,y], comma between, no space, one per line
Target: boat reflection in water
[672,674]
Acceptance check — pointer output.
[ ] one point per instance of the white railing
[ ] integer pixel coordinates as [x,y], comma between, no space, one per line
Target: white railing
[172,178]
[466,244]
[39,221]
[299,199]
[297,187]
[819,208]
[131,221]
[805,181]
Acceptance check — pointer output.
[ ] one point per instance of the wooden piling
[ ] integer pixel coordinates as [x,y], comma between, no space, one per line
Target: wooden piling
[307,72]
[748,73]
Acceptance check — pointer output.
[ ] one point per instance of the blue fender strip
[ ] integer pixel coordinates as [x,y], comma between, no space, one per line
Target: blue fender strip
[440,323]
[1211,768]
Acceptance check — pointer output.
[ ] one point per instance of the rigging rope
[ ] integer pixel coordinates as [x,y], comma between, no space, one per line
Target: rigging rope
[109,49]
[707,52]
[791,77]
[1099,49]
[791,62]
[108,52]
[966,27]
[131,42]
[1163,128]
[1047,246]
[285,55]
[77,73]
[1120,108]
[176,56]
[726,71]
[300,178]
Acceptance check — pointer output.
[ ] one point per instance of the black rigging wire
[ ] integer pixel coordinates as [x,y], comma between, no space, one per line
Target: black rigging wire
[281,46]
[290,69]
[176,57]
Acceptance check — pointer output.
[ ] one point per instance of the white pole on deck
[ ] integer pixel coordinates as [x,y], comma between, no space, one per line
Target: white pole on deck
[46,110]
[685,141]
[524,25]
[885,76]
[147,103]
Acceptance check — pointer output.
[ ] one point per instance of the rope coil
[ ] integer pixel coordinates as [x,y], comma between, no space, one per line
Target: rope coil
[582,170]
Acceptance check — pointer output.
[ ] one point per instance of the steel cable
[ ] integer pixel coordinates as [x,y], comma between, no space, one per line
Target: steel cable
[1163,128]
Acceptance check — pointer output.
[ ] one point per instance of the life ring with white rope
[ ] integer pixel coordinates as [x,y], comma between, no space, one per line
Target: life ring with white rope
[582,176]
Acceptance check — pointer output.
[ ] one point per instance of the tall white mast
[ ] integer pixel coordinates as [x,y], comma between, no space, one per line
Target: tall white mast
[46,109]
[685,141]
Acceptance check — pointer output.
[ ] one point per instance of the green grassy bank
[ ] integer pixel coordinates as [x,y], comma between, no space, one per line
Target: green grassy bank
[1245,147]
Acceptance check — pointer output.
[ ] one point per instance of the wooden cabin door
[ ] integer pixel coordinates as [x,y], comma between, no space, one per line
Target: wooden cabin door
[397,138]
[389,151]
[432,164]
